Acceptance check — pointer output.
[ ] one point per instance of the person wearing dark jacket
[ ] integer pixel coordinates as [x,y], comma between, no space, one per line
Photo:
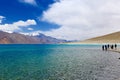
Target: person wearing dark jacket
[103,47]
[106,47]
[115,46]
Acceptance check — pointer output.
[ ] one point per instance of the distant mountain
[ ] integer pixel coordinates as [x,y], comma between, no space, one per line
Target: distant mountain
[43,38]
[16,38]
[109,38]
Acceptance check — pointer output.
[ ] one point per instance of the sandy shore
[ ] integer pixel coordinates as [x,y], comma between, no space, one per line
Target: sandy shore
[96,42]
[115,50]
[93,43]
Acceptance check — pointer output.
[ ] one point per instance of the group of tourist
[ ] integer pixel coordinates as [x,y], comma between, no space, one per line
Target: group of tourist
[106,47]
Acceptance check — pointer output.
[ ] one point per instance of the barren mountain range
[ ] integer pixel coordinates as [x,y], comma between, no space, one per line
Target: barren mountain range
[16,38]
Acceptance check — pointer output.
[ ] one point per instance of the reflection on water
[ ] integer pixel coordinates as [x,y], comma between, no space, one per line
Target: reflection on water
[58,62]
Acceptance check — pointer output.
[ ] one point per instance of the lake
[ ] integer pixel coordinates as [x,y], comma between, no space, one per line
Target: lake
[58,62]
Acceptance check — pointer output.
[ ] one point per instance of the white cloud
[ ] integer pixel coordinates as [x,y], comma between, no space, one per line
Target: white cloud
[30,29]
[17,25]
[31,2]
[25,23]
[1,18]
[81,19]
[33,33]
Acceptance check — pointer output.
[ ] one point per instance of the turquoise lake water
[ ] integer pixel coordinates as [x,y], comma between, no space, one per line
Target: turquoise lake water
[58,62]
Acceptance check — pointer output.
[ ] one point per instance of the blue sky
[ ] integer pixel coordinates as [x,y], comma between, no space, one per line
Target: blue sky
[15,10]
[63,19]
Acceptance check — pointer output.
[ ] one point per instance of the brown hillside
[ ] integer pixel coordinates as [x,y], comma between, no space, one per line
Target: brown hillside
[109,38]
[16,38]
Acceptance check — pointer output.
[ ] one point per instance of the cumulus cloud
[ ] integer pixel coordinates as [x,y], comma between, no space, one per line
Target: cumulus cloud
[16,25]
[31,2]
[1,18]
[82,19]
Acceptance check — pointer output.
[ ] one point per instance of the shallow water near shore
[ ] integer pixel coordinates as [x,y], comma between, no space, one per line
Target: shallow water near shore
[58,62]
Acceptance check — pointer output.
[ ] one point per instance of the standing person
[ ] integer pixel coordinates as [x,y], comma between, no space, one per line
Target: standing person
[103,47]
[112,46]
[115,46]
[106,47]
